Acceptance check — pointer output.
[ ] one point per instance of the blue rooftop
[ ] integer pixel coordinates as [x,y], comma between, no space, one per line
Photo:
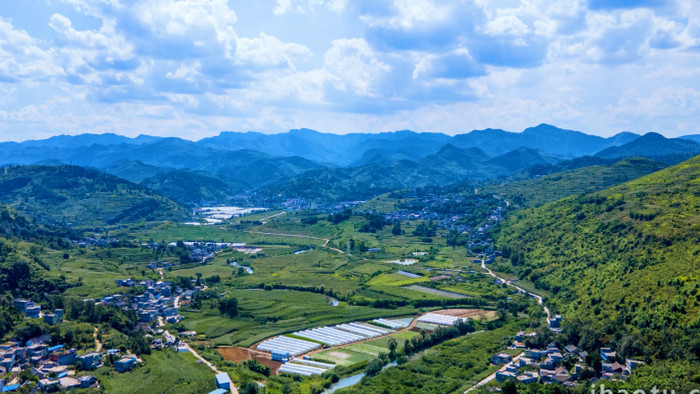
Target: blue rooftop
[219,391]
[10,388]
[222,378]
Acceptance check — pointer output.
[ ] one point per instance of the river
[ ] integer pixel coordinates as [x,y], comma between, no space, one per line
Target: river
[351,380]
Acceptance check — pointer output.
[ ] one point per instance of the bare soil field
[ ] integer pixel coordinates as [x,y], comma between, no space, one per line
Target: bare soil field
[239,355]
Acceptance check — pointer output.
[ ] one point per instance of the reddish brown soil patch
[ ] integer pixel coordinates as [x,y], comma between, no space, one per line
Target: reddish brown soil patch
[240,355]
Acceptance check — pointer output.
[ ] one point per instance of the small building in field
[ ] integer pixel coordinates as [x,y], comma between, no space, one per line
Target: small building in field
[223,381]
[125,364]
[280,356]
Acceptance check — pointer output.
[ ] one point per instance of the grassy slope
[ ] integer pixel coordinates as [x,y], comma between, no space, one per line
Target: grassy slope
[537,191]
[162,372]
[622,264]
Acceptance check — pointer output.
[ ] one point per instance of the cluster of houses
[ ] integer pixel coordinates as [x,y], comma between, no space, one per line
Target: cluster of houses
[203,252]
[33,311]
[60,368]
[432,210]
[159,301]
[54,366]
[548,365]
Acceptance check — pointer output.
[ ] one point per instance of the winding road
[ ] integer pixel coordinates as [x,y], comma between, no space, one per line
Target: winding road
[531,294]
[509,283]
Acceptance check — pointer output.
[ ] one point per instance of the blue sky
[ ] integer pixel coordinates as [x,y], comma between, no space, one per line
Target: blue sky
[192,68]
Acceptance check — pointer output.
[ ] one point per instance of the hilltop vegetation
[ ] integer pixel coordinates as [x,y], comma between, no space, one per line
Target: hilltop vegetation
[622,264]
[539,190]
[188,188]
[71,194]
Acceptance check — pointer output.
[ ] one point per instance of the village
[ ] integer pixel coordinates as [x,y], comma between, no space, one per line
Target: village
[55,366]
[552,365]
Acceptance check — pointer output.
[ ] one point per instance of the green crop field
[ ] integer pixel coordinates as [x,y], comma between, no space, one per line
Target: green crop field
[162,372]
[395,280]
[267,313]
[342,357]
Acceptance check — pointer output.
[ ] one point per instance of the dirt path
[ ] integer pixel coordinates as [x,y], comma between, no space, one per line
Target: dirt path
[263,220]
[325,244]
[509,283]
[98,344]
[499,198]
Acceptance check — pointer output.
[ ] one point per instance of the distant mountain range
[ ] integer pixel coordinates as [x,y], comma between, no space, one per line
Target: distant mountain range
[314,165]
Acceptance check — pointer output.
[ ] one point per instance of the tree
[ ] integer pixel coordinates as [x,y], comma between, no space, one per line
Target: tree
[250,388]
[255,366]
[397,229]
[229,306]
[392,348]
[375,365]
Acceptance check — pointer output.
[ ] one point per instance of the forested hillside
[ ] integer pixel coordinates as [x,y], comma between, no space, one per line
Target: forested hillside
[186,187]
[24,265]
[70,194]
[540,190]
[622,265]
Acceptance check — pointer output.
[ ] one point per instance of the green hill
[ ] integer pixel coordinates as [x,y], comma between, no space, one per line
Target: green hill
[186,187]
[622,264]
[84,197]
[25,263]
[132,170]
[15,227]
[537,191]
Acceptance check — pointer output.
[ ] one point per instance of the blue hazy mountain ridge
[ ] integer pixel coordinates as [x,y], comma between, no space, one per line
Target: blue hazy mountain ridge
[342,150]
[337,149]
[324,147]
[654,146]
[376,162]
[522,158]
[553,141]
[250,167]
[691,137]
